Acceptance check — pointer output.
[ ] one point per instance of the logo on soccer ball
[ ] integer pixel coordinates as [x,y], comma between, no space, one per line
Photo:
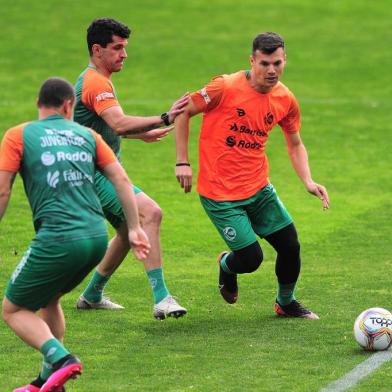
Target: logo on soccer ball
[229,233]
[47,158]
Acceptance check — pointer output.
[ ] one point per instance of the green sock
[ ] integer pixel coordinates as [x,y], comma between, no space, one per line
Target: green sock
[224,265]
[94,290]
[46,370]
[286,293]
[157,283]
[53,351]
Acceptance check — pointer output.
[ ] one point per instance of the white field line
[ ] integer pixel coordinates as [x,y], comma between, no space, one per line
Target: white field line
[360,372]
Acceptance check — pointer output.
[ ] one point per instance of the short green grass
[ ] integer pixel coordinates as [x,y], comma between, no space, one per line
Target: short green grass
[339,68]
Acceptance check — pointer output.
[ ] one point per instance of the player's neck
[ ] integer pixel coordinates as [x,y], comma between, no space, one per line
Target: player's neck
[100,68]
[46,112]
[256,86]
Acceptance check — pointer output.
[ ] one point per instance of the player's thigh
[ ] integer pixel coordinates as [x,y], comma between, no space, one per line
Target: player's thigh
[110,202]
[231,221]
[267,213]
[49,268]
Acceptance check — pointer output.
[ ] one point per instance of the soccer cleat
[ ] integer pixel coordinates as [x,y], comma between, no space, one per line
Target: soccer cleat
[294,309]
[228,286]
[168,307]
[105,303]
[69,367]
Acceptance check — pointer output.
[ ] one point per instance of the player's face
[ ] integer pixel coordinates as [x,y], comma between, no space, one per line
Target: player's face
[267,69]
[114,55]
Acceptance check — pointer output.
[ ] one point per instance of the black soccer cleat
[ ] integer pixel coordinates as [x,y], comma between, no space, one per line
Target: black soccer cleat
[228,286]
[294,309]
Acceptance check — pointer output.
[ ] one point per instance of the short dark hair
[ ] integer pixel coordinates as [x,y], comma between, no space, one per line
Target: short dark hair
[101,32]
[54,92]
[267,42]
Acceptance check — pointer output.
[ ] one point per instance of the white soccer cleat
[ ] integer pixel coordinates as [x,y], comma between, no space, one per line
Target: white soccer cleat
[105,303]
[168,307]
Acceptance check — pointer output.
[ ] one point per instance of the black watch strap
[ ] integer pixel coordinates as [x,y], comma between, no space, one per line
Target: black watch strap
[165,118]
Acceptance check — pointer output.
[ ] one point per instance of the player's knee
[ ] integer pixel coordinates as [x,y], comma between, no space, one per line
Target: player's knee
[150,212]
[155,214]
[291,247]
[6,312]
[251,257]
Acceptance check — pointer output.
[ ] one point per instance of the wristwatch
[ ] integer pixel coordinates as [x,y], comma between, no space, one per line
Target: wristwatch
[165,118]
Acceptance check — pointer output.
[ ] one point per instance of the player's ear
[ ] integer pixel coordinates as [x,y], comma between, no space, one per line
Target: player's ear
[96,50]
[251,59]
[68,108]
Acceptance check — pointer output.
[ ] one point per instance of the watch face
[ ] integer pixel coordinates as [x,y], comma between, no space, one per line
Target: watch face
[165,118]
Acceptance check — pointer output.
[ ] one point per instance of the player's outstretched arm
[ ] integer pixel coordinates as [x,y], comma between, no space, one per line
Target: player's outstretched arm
[137,237]
[6,182]
[299,159]
[183,170]
[137,127]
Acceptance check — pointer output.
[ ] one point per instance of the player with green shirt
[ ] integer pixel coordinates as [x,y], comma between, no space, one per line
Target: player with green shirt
[98,107]
[57,160]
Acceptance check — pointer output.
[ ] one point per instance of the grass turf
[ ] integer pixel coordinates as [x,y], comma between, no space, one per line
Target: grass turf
[338,67]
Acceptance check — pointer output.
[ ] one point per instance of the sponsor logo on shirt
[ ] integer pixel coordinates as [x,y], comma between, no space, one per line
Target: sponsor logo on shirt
[74,177]
[241,112]
[103,96]
[205,96]
[53,178]
[48,159]
[231,141]
[78,156]
[244,129]
[61,137]
[268,118]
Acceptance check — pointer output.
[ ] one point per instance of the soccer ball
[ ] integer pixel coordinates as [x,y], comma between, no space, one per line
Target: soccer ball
[373,329]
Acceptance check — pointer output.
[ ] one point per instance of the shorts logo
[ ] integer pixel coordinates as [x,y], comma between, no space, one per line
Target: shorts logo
[47,158]
[229,233]
[53,178]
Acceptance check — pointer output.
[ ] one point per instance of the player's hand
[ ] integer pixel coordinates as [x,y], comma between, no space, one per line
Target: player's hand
[155,135]
[184,177]
[139,243]
[178,107]
[319,191]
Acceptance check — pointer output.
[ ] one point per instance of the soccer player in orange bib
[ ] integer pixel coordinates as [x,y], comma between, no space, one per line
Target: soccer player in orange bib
[239,111]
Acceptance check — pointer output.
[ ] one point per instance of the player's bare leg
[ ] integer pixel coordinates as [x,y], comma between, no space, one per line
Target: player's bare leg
[36,333]
[151,216]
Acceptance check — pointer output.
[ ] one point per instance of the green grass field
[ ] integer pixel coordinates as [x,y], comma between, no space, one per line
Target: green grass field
[339,66]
